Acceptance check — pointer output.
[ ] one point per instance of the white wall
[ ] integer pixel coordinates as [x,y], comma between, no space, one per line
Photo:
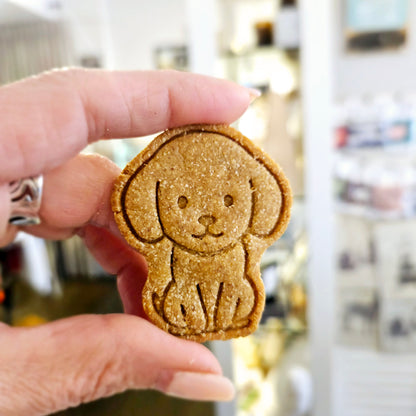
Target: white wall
[88,25]
[124,33]
[139,26]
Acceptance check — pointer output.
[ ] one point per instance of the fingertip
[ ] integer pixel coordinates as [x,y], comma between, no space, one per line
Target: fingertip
[199,386]
[253,94]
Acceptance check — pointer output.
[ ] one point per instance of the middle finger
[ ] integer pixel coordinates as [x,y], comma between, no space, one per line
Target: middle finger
[76,194]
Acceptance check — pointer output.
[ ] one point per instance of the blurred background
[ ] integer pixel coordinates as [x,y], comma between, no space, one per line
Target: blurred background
[337,112]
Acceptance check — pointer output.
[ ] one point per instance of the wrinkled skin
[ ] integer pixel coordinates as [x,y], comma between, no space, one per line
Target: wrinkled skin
[45,121]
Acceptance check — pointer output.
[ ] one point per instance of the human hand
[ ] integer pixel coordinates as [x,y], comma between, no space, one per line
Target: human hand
[45,122]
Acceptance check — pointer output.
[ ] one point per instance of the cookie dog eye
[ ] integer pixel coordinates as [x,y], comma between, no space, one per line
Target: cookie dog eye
[228,200]
[182,202]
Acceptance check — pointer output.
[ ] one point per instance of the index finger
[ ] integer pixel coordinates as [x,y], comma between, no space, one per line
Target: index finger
[47,119]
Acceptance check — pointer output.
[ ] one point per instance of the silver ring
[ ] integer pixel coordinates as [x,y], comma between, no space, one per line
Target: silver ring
[25,196]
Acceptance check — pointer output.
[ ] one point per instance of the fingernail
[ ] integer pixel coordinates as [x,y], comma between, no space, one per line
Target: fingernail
[198,386]
[253,94]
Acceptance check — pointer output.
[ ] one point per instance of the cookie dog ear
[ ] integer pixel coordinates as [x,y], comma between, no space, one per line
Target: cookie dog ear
[135,205]
[271,200]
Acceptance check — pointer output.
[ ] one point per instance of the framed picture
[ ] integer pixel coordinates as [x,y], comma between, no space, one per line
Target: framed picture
[395,258]
[354,251]
[376,24]
[398,325]
[357,317]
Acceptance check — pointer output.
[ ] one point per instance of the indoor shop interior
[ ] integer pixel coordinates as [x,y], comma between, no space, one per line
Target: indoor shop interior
[335,108]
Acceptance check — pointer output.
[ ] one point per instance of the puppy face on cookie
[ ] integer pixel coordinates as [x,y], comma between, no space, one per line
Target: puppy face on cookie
[200,219]
[202,191]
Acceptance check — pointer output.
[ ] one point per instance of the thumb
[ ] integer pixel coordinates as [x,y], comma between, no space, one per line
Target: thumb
[83,358]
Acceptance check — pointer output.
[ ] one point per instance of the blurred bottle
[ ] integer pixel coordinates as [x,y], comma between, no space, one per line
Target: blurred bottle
[286,32]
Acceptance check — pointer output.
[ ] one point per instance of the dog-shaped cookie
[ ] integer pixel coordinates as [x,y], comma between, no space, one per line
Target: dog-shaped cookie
[202,203]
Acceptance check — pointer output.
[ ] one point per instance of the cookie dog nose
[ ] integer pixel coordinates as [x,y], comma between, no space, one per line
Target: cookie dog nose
[206,220]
